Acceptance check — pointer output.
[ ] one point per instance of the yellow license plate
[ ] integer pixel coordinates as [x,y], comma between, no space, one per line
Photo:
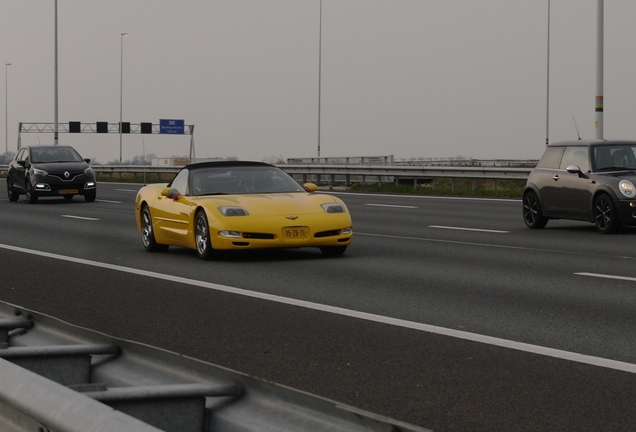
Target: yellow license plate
[295,232]
[68,191]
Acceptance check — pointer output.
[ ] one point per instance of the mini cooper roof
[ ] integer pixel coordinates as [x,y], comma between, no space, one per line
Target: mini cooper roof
[590,142]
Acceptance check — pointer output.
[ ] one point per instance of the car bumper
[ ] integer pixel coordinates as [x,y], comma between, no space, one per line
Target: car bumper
[627,211]
[308,231]
[48,187]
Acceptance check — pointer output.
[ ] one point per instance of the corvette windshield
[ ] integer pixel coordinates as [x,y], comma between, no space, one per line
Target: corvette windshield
[241,180]
[614,158]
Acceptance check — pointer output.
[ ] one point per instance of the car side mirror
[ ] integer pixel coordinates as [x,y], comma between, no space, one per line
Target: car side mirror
[574,169]
[22,163]
[310,187]
[87,160]
[171,193]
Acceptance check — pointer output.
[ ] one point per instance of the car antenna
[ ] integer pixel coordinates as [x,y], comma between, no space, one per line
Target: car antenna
[576,127]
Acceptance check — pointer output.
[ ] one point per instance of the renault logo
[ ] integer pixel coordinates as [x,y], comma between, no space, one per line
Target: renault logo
[67,174]
[291,217]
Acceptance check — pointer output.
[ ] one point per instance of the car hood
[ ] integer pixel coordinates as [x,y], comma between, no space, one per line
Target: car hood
[278,203]
[61,166]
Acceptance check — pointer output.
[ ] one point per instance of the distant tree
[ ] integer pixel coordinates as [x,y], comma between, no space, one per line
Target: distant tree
[275,160]
[7,157]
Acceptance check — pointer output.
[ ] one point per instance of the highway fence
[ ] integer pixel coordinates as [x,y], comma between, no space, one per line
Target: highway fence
[347,175]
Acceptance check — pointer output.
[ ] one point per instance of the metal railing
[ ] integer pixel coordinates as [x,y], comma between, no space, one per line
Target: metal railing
[346,175]
[57,377]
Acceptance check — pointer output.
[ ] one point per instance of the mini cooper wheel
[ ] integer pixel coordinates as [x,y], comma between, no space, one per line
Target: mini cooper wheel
[605,215]
[333,250]
[202,236]
[31,195]
[11,192]
[148,233]
[532,213]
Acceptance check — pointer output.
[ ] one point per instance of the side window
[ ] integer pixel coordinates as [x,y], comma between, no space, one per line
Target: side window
[551,158]
[20,155]
[575,155]
[180,182]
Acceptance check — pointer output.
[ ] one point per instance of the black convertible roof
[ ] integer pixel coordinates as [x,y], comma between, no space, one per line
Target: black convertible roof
[225,164]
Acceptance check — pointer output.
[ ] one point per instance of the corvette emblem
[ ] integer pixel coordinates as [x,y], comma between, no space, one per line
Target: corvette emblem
[67,174]
[291,217]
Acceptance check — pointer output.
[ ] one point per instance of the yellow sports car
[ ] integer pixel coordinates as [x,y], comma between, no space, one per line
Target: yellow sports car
[212,206]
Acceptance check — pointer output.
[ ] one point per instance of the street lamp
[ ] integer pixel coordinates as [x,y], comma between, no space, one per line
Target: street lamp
[6,106]
[121,93]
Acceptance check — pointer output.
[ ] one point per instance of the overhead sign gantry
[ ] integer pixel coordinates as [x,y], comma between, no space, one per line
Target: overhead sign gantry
[165,126]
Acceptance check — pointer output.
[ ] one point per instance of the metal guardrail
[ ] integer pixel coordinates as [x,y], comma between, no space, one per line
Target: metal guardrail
[56,377]
[346,175]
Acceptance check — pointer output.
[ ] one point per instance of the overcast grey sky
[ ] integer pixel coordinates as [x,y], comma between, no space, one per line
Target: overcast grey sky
[412,78]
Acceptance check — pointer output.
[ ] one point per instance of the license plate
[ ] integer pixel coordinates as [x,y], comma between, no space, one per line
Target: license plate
[296,232]
[68,191]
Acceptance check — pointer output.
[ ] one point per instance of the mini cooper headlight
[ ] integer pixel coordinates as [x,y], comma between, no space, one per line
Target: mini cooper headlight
[39,172]
[333,208]
[627,188]
[233,211]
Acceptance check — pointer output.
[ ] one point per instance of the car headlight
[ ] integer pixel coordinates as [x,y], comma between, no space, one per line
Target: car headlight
[233,211]
[627,188]
[333,208]
[88,171]
[39,172]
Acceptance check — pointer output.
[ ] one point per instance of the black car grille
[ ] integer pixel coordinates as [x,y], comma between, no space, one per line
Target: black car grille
[72,175]
[261,236]
[327,233]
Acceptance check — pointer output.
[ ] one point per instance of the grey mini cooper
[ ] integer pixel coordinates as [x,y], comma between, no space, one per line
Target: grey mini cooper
[586,180]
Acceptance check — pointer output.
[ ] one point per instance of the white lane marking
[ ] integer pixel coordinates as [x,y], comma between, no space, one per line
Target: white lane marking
[390,205]
[489,340]
[514,201]
[631,279]
[468,229]
[501,246]
[127,190]
[79,217]
[108,201]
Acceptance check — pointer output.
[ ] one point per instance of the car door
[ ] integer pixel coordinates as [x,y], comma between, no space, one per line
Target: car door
[172,214]
[572,192]
[18,169]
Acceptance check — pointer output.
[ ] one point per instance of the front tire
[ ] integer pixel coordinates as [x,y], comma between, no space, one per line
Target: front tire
[605,215]
[11,192]
[202,236]
[31,195]
[532,213]
[148,233]
[90,196]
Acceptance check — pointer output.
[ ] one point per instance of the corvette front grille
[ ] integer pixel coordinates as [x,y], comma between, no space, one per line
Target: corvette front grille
[260,236]
[327,233]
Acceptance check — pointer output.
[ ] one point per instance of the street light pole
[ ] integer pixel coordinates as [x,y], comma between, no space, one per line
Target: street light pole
[319,72]
[55,110]
[121,94]
[6,107]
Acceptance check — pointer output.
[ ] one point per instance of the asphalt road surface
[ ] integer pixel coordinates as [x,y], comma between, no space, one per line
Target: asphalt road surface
[445,313]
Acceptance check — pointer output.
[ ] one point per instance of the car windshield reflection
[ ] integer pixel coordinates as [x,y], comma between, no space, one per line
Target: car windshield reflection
[614,158]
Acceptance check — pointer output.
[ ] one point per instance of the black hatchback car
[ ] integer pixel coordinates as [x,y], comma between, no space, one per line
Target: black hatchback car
[54,170]
[587,180]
